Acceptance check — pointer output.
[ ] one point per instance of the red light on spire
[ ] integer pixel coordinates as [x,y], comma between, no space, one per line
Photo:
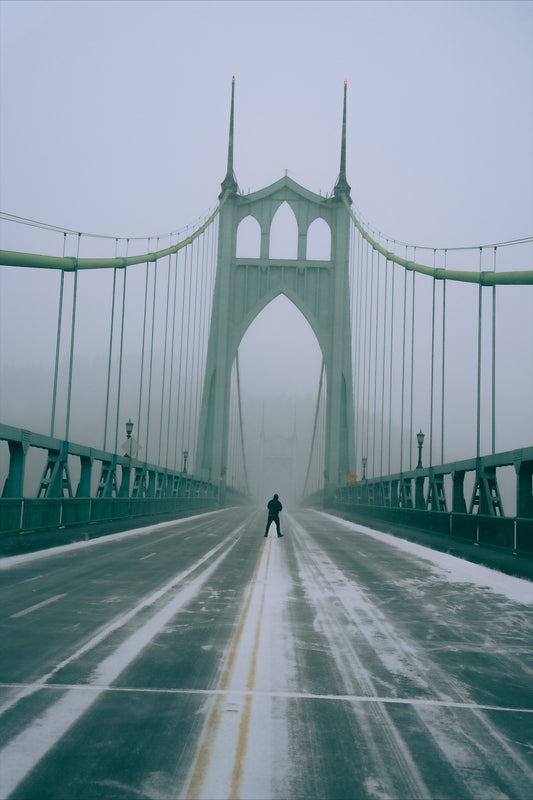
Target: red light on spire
[233,79]
[346,81]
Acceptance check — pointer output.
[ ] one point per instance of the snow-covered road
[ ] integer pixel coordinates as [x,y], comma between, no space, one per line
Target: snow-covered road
[197,659]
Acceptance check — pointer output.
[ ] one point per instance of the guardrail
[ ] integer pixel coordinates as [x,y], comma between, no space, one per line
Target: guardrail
[28,514]
[510,533]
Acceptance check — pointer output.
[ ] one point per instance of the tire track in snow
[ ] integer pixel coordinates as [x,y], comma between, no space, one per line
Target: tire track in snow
[464,747]
[394,770]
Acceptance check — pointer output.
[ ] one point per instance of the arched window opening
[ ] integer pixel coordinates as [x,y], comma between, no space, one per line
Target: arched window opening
[248,238]
[319,241]
[284,233]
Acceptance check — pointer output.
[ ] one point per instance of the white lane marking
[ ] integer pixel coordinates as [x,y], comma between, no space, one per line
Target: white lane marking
[123,619]
[24,751]
[38,605]
[342,698]
[148,556]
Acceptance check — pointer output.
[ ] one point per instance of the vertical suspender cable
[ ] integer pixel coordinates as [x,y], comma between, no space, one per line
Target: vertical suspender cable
[196,344]
[111,326]
[72,332]
[165,342]
[122,317]
[383,362]
[170,382]
[370,357]
[443,364]
[403,363]
[58,341]
[479,327]
[412,366]
[432,366]
[376,366]
[494,360]
[139,426]
[151,356]
[357,348]
[365,414]
[204,317]
[391,359]
[240,423]
[314,425]
[179,398]
[186,410]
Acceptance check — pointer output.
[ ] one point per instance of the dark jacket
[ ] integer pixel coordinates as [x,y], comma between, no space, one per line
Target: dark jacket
[274,507]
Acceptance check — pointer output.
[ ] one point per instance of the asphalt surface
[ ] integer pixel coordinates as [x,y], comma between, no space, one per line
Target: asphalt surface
[197,659]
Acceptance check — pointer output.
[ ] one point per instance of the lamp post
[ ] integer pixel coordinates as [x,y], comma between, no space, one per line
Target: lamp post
[129,440]
[363,462]
[185,457]
[420,439]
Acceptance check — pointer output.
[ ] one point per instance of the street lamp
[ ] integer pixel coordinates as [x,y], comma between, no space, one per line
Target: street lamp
[420,439]
[363,462]
[185,457]
[129,428]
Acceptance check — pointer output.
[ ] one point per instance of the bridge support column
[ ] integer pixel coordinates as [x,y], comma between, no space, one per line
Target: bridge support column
[420,501]
[458,495]
[14,484]
[524,491]
[84,485]
[124,490]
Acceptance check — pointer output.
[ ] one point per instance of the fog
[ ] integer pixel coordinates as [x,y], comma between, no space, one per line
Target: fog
[115,121]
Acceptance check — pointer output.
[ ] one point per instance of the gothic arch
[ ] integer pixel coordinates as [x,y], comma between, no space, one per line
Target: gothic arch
[248,244]
[318,240]
[264,302]
[283,233]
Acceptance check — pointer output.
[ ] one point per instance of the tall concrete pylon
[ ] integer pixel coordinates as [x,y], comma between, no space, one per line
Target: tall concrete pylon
[245,286]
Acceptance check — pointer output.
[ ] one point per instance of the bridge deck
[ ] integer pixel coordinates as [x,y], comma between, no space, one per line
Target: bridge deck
[196,658]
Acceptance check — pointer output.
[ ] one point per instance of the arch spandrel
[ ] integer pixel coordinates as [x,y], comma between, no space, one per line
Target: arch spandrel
[240,330]
[309,287]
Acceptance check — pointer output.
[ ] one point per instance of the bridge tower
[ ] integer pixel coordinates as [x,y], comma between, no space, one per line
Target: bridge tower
[245,286]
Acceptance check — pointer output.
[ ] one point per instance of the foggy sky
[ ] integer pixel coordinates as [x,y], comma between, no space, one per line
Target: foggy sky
[115,121]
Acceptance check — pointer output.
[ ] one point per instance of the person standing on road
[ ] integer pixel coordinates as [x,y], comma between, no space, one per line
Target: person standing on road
[274,507]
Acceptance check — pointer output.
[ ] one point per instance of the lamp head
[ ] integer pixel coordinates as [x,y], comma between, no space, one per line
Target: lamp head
[420,437]
[129,427]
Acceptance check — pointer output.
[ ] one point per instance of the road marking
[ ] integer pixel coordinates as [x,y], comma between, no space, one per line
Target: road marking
[218,729]
[148,556]
[38,605]
[341,698]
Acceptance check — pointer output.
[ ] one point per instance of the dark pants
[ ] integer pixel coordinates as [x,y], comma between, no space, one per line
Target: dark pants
[270,520]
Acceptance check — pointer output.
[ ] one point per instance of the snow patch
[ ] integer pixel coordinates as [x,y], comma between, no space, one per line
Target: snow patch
[451,568]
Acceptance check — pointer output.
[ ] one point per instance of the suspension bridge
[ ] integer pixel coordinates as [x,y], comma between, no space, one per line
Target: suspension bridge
[183,654]
[411,337]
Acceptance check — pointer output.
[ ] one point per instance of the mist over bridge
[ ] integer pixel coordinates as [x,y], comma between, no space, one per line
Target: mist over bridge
[412,339]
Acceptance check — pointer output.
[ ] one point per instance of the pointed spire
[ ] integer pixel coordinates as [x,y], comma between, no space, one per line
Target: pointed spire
[342,186]
[230,182]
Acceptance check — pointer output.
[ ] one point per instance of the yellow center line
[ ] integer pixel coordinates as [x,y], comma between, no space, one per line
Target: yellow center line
[202,759]
[236,776]
[38,605]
